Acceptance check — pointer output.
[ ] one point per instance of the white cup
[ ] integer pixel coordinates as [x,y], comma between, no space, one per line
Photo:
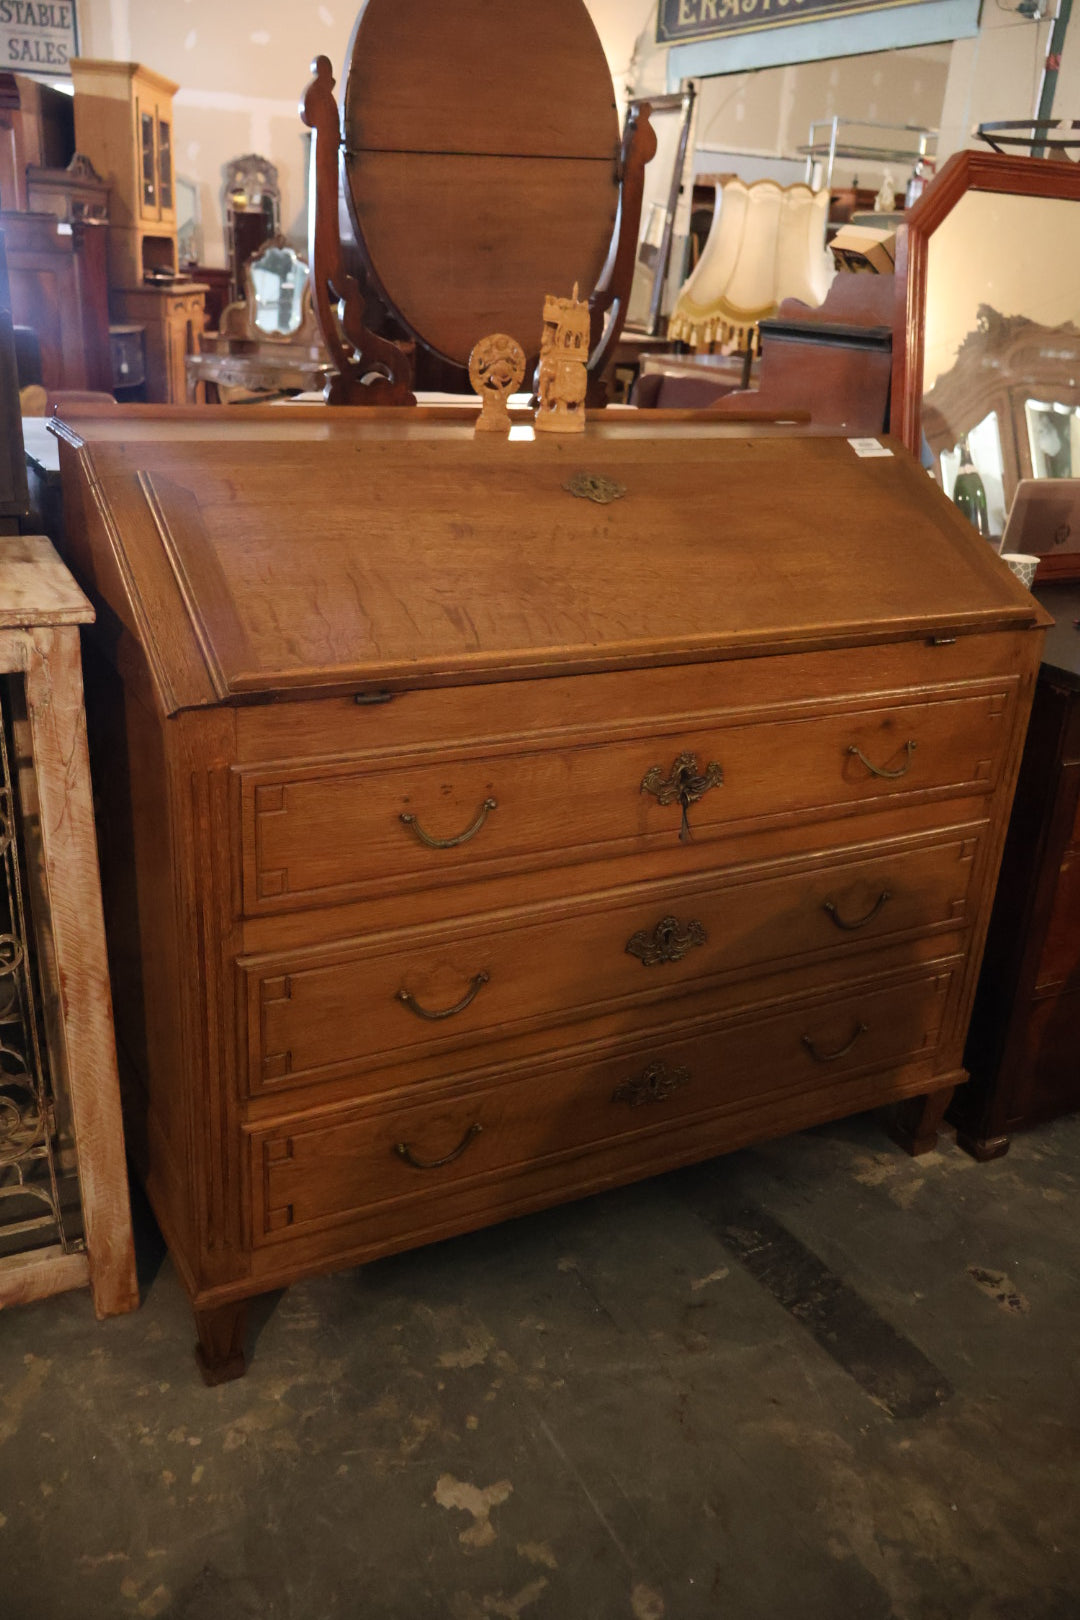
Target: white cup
[1023,565]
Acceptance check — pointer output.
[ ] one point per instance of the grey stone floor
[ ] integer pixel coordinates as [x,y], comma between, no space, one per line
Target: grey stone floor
[816,1380]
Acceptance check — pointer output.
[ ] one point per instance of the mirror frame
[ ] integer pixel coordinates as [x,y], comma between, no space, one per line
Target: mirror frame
[681,102]
[278,244]
[965,171]
[238,318]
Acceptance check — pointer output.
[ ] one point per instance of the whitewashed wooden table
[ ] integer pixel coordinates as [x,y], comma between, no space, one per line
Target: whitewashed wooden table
[60,1124]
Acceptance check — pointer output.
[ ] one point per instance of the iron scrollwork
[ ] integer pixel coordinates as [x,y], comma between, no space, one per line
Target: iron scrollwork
[669,941]
[33,1211]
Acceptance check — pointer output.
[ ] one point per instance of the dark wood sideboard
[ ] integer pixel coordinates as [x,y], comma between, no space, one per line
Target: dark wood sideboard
[470,845]
[1024,1047]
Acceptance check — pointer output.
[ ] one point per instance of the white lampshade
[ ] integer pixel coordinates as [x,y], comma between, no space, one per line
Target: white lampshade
[767,243]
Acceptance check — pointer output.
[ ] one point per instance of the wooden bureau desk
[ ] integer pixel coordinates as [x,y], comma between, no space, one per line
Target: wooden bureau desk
[470,845]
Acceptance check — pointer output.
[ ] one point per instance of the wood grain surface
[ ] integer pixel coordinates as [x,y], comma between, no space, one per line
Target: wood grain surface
[483,76]
[486,176]
[465,245]
[35,586]
[694,561]
[314,623]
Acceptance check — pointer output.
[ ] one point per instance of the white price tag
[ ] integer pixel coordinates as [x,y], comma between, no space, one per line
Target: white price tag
[869,447]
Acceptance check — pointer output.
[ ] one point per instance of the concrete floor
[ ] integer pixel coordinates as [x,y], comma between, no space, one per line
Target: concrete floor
[816,1380]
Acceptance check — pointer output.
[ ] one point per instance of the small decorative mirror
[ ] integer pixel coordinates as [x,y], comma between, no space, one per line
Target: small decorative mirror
[278,280]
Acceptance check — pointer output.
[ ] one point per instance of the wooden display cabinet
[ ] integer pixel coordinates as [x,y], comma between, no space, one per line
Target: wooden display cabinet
[79,198]
[173,316]
[123,124]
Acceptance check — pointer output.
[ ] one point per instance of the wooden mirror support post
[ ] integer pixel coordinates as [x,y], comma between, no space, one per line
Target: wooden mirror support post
[611,300]
[369,369]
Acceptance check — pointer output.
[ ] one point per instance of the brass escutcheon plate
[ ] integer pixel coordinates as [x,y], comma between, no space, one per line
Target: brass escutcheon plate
[592,487]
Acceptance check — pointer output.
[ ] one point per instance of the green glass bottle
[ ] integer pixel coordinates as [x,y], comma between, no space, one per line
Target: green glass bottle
[969,492]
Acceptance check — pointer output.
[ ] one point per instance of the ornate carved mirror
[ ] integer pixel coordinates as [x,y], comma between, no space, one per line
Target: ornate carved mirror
[252,211]
[483,170]
[989,375]
[278,279]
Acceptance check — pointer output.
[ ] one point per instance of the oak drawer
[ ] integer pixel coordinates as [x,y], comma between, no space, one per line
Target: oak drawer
[317,1170]
[360,1005]
[323,834]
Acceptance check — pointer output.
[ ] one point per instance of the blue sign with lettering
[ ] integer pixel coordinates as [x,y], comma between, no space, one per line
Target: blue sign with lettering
[680,21]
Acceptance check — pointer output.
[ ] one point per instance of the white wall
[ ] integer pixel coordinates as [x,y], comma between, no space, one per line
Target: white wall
[243,64]
[995,75]
[770,110]
[242,67]
[992,76]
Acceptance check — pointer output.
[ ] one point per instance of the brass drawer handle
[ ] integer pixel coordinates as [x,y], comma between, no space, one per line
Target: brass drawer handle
[857,922]
[653,1085]
[685,783]
[475,986]
[404,1151]
[842,1051]
[451,843]
[669,941]
[877,770]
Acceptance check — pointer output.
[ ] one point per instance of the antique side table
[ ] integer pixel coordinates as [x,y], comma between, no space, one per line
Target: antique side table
[64,1214]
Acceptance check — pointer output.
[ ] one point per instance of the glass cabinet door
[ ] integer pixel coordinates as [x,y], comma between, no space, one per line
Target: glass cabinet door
[148,162]
[165,174]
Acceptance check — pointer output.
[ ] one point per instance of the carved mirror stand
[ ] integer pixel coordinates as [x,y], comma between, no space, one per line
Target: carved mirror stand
[487,177]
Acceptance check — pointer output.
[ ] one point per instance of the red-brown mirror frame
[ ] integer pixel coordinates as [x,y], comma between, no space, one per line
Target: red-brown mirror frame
[965,171]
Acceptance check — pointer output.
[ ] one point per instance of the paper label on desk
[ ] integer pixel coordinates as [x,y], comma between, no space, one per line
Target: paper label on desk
[869,447]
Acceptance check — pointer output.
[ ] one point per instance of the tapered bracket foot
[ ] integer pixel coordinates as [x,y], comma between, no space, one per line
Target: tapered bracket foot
[916,1122]
[220,1347]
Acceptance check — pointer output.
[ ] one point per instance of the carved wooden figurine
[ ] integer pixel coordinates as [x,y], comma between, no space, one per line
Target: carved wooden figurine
[496,370]
[564,357]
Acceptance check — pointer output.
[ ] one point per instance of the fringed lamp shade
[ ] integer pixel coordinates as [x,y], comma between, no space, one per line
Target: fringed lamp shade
[767,243]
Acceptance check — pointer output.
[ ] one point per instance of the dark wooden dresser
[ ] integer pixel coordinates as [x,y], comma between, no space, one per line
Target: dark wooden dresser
[488,822]
[1024,1050]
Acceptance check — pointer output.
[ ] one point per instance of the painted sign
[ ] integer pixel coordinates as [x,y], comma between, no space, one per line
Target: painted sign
[37,36]
[679,21]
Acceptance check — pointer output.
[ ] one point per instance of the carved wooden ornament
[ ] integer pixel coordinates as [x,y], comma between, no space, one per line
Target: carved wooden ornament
[563,379]
[496,370]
